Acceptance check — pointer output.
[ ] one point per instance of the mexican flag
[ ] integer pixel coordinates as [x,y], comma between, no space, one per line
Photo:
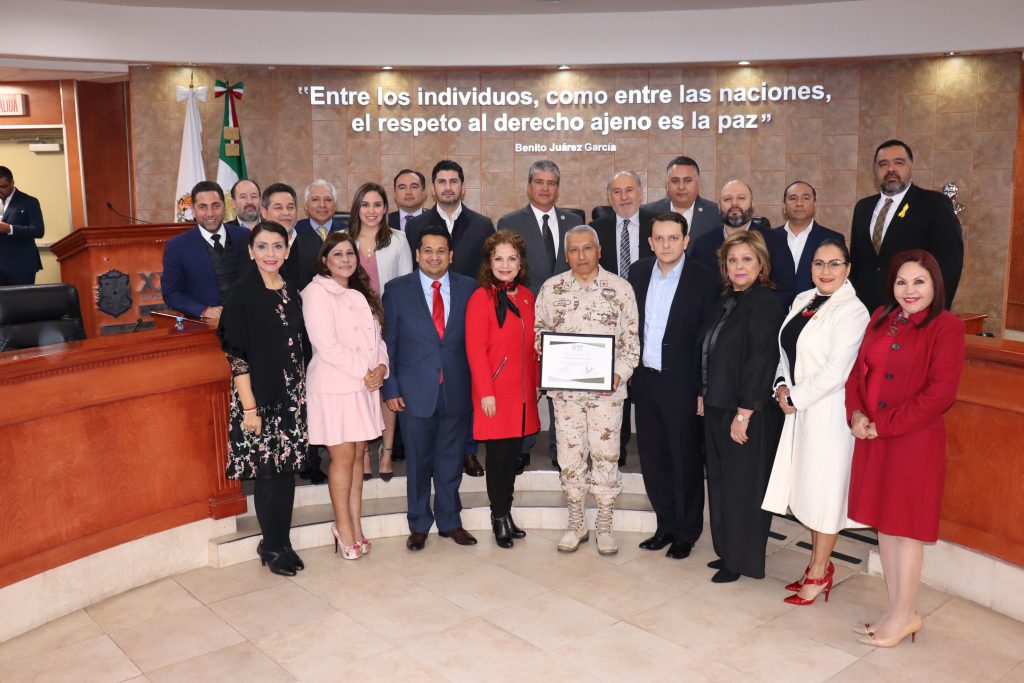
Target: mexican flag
[231,167]
[190,165]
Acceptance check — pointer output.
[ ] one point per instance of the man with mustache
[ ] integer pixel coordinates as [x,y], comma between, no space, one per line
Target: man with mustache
[245,195]
[736,202]
[902,216]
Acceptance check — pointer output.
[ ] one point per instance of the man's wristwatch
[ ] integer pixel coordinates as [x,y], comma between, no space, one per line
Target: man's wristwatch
[740,418]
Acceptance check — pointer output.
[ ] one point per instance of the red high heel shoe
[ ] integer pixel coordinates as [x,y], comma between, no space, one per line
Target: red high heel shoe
[825,581]
[795,586]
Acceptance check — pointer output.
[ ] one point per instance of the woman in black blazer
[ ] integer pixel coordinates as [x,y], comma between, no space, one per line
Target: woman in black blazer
[738,357]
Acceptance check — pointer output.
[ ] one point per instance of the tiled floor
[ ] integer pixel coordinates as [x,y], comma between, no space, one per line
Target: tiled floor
[485,614]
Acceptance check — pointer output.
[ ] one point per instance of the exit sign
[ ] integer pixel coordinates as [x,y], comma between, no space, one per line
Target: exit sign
[12,104]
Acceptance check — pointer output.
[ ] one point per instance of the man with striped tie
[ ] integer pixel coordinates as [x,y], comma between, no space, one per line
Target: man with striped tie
[624,235]
[410,195]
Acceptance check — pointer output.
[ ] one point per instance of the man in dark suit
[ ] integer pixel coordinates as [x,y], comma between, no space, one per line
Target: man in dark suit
[542,227]
[903,216]
[21,224]
[624,239]
[682,195]
[736,204]
[410,193]
[469,229]
[428,385]
[245,195]
[803,234]
[674,295]
[321,201]
[201,264]
[279,205]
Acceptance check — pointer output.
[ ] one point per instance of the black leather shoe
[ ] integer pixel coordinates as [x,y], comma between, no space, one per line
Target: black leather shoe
[502,531]
[294,558]
[473,467]
[723,575]
[276,562]
[716,564]
[516,531]
[416,541]
[657,542]
[524,460]
[679,551]
[459,535]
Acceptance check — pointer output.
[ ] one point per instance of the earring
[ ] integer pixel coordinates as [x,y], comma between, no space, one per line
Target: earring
[761,278]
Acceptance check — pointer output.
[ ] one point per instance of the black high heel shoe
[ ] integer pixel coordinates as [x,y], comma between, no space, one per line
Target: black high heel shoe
[502,532]
[516,532]
[277,562]
[294,558]
[384,476]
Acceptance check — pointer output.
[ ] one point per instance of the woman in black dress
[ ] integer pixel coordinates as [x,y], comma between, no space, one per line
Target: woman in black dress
[739,355]
[263,336]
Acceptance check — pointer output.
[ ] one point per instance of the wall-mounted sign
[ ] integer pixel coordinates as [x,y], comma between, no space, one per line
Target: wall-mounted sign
[13,104]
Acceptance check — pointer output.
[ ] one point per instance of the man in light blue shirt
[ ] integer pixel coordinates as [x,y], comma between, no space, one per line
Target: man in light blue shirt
[675,295]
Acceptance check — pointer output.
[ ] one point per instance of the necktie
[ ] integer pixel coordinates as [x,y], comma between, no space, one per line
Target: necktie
[218,248]
[405,221]
[624,249]
[876,234]
[438,313]
[549,242]
[323,233]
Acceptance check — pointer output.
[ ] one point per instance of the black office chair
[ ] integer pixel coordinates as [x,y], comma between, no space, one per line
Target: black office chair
[340,220]
[601,211]
[39,315]
[577,212]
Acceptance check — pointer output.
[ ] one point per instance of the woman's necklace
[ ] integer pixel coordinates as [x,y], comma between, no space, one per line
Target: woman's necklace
[813,305]
[368,252]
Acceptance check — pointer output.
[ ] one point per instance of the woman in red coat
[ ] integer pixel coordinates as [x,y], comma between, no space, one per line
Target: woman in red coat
[505,371]
[905,377]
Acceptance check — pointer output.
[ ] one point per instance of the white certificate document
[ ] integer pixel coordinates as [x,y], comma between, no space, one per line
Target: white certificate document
[577,362]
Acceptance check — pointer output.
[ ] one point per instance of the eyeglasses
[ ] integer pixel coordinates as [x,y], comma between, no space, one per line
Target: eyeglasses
[818,264]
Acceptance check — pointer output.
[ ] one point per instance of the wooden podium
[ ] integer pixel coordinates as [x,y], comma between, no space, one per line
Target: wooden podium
[116,271]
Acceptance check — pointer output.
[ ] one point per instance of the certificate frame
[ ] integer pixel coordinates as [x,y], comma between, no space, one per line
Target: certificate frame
[564,354]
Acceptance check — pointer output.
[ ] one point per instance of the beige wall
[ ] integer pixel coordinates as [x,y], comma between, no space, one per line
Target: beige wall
[44,176]
[959,114]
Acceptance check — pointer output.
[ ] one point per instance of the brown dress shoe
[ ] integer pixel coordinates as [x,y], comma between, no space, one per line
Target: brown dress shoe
[473,467]
[459,535]
[416,541]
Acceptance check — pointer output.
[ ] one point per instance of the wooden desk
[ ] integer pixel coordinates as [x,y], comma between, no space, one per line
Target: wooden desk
[983,507]
[108,440]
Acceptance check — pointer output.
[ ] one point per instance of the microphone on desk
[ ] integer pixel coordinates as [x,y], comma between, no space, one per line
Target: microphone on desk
[135,327]
[133,219]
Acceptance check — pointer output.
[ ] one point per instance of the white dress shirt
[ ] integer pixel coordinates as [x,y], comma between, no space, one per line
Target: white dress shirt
[797,242]
[208,236]
[450,221]
[552,223]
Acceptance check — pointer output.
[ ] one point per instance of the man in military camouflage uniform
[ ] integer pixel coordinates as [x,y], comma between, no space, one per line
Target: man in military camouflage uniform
[590,300]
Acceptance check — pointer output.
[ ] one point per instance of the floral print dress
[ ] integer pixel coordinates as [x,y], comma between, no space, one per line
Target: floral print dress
[281,445]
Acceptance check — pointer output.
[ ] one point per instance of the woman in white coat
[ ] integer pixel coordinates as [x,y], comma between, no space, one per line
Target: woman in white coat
[818,341]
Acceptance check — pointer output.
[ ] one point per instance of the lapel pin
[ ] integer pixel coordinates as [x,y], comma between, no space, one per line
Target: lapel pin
[903,213]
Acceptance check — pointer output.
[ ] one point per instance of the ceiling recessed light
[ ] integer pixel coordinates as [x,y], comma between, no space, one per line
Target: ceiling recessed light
[564,67]
[743,62]
[951,54]
[387,67]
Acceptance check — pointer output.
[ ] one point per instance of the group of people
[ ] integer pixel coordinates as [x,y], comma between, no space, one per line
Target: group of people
[823,411]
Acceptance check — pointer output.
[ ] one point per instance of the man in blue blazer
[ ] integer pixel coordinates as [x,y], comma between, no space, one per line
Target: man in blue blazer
[802,233]
[682,195]
[201,264]
[428,385]
[736,204]
[21,224]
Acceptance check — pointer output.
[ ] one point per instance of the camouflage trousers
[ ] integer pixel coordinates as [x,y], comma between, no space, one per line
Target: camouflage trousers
[588,424]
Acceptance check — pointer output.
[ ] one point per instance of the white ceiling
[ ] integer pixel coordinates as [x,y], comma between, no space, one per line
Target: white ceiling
[461,7]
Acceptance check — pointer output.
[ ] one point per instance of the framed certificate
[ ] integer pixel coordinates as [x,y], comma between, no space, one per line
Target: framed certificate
[577,362]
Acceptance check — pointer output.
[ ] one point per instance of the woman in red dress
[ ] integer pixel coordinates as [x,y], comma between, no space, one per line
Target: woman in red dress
[905,377]
[504,369]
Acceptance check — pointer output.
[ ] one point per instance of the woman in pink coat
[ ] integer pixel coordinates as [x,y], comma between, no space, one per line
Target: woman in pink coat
[343,321]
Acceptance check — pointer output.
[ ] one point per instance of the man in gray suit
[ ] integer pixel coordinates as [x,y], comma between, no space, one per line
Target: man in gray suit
[682,195]
[543,227]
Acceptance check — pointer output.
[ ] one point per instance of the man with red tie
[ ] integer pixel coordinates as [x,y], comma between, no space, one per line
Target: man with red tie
[428,385]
